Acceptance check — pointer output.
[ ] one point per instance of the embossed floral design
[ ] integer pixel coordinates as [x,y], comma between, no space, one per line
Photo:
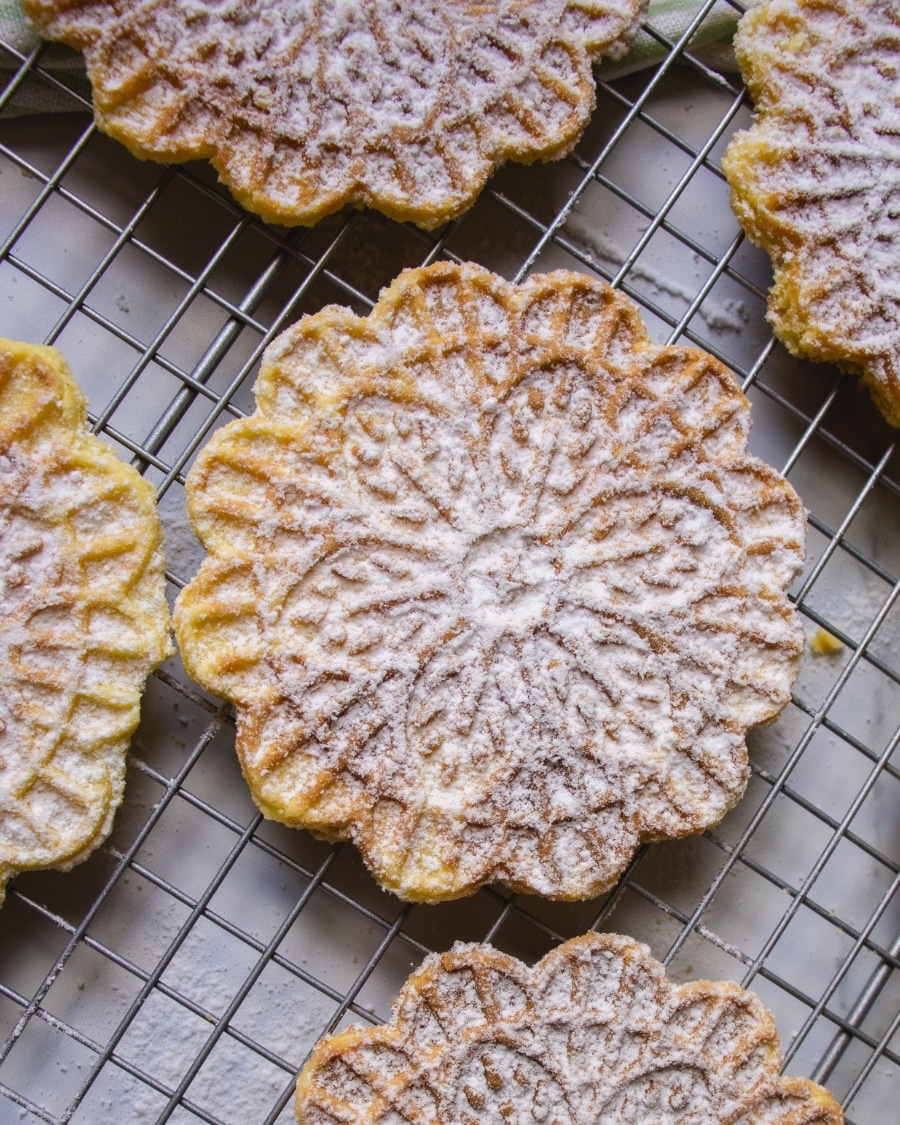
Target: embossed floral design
[594,1034]
[83,616]
[816,180]
[303,106]
[494,583]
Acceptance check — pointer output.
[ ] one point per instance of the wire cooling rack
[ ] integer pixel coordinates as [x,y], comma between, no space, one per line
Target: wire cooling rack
[184,972]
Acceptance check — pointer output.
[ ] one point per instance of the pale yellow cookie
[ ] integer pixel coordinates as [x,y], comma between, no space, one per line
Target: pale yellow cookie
[816,180]
[594,1034]
[402,105]
[83,617]
[494,584]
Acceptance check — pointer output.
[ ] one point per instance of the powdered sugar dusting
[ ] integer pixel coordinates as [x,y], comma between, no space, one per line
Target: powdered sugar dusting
[83,617]
[729,315]
[816,181]
[304,106]
[594,1033]
[498,590]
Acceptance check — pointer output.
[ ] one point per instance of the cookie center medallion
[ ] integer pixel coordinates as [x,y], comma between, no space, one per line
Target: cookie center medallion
[509,582]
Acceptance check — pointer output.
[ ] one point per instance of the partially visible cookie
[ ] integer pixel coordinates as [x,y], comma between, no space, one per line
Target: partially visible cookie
[403,105]
[493,582]
[816,180]
[594,1034]
[83,616]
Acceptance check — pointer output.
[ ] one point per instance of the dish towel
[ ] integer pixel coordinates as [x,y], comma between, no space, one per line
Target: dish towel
[711,43]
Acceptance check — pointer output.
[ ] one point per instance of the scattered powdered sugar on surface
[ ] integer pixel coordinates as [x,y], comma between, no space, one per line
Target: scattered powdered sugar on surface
[816,181]
[721,316]
[187,1014]
[506,588]
[83,617]
[304,106]
[594,1034]
[165,1038]
[184,554]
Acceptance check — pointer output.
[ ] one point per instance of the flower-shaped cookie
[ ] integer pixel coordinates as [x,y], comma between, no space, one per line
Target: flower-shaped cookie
[494,583]
[594,1034]
[816,180]
[83,615]
[403,105]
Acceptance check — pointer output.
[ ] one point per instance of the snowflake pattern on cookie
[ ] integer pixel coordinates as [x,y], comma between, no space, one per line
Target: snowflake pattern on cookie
[816,180]
[494,583]
[83,615]
[594,1034]
[303,106]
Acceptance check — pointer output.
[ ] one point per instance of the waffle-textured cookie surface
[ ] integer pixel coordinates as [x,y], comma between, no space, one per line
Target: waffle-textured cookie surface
[494,583]
[594,1034]
[302,106]
[816,180]
[83,617]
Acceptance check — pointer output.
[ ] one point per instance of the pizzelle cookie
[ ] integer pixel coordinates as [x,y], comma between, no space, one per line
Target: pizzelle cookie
[816,180]
[83,616]
[302,106]
[594,1034]
[493,582]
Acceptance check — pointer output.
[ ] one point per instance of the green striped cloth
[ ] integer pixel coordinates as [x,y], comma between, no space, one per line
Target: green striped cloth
[711,43]
[33,95]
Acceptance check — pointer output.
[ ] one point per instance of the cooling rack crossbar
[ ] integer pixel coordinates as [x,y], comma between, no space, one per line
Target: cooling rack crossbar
[186,971]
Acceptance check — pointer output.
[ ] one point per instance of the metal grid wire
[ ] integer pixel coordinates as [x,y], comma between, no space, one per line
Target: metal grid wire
[185,971]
